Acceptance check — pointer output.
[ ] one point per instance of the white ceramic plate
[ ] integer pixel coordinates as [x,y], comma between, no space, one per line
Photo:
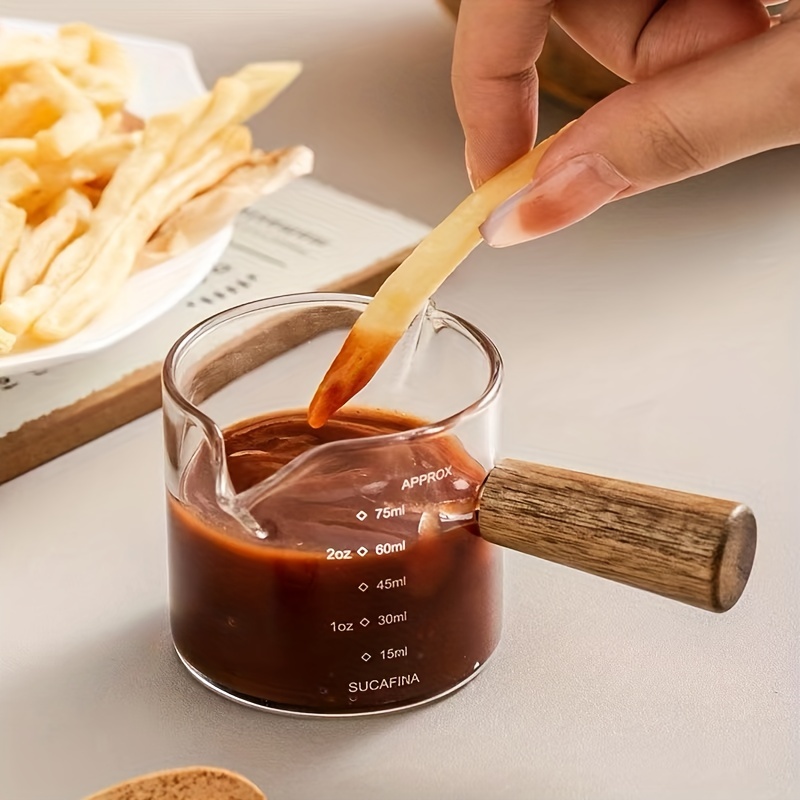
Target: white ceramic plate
[167,76]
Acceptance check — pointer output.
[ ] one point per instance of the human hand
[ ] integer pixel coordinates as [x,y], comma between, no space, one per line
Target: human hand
[712,81]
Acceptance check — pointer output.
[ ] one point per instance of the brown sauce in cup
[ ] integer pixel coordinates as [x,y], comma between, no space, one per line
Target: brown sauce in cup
[372,589]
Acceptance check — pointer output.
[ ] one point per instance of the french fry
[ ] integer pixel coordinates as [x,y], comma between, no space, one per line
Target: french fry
[95,162]
[117,254]
[106,76]
[71,199]
[16,314]
[103,158]
[407,289]
[76,197]
[105,92]
[111,123]
[223,108]
[16,180]
[265,81]
[209,212]
[25,109]
[229,149]
[136,173]
[7,341]
[73,48]
[39,244]
[66,51]
[47,78]
[235,99]
[70,133]
[21,49]
[12,226]
[22,148]
[81,122]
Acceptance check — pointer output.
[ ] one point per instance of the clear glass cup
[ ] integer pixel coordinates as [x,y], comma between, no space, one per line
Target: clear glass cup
[353,580]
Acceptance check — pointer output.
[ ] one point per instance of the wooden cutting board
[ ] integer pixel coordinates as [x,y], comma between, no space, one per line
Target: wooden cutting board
[308,237]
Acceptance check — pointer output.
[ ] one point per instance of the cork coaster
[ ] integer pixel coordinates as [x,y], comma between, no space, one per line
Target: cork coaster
[188,783]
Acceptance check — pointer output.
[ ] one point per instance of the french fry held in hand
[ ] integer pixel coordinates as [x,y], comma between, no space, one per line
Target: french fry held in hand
[405,292]
[89,192]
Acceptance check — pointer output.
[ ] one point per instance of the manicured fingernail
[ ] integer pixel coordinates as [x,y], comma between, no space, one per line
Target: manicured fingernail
[551,201]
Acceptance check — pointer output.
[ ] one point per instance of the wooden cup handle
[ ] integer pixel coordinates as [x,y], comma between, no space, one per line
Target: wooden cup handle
[695,549]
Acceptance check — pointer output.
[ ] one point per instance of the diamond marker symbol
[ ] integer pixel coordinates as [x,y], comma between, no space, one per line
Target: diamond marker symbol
[361,516]
[363,587]
[362,551]
[365,622]
[366,657]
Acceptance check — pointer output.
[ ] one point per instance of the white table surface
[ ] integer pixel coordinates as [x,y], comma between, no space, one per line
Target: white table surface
[657,341]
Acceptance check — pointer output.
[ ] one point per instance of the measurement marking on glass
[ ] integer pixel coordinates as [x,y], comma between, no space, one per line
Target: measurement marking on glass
[394,652]
[362,551]
[364,622]
[389,547]
[391,583]
[392,619]
[366,657]
[341,627]
[387,512]
[363,587]
[428,477]
[361,516]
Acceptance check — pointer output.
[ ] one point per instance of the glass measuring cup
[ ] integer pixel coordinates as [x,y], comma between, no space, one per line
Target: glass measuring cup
[349,570]
[352,578]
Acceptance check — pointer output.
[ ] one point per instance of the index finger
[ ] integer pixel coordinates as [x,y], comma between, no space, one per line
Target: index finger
[494,79]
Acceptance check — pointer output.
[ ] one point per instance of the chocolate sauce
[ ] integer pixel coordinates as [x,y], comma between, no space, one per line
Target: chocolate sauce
[370,589]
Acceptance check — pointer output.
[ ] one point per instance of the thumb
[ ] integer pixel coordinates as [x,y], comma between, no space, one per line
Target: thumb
[733,103]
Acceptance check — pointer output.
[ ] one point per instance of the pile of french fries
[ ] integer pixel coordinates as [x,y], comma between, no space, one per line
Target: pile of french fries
[89,193]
